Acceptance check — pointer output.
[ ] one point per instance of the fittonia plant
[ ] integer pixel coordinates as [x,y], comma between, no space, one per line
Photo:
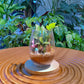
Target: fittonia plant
[41,39]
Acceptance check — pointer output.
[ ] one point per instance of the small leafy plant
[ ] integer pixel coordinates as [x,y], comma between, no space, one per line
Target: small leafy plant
[41,38]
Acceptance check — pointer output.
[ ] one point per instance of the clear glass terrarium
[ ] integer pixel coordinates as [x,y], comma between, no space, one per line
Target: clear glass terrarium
[42,47]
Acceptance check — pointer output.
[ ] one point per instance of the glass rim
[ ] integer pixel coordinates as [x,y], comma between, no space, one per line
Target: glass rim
[34,30]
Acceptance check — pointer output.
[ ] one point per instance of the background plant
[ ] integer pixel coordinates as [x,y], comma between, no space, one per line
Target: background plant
[60,7]
[81,11]
[64,36]
[69,12]
[8,22]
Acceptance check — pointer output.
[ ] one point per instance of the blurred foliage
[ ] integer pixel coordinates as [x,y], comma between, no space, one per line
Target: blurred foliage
[63,34]
[60,7]
[8,22]
[69,12]
[7,7]
[30,7]
[81,10]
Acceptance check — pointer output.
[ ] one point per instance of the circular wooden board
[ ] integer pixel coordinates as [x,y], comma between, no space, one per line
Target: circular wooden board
[71,70]
[32,68]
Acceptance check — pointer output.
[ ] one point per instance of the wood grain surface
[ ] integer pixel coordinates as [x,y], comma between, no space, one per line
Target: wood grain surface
[12,67]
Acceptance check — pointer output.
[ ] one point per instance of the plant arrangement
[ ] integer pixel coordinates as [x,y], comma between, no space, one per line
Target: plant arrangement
[41,38]
[42,44]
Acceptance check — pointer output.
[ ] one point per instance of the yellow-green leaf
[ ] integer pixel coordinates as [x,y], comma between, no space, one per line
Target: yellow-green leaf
[51,26]
[41,39]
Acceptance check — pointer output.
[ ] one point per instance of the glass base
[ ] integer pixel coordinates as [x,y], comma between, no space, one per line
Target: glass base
[41,66]
[37,69]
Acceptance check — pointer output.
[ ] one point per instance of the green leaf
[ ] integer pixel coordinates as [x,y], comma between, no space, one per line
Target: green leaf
[40,19]
[2,10]
[1,5]
[74,35]
[12,28]
[69,39]
[51,26]
[59,44]
[12,7]
[43,29]
[58,31]
[41,39]
[20,7]
[27,31]
[82,46]
[29,21]
[15,7]
[2,21]
[69,44]
[46,43]
[38,28]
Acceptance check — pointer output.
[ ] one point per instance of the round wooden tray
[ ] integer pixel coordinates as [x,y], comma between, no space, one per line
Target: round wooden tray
[71,70]
[34,69]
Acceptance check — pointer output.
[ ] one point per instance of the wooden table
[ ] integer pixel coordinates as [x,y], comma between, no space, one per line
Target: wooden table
[12,72]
